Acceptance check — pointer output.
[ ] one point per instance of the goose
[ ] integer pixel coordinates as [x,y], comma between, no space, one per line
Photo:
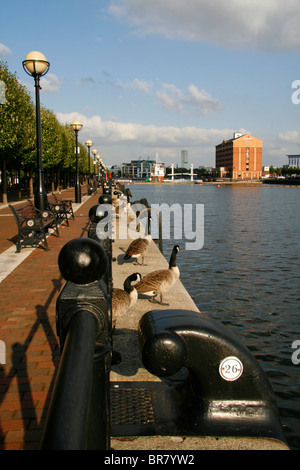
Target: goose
[128,194]
[131,214]
[122,300]
[160,281]
[138,248]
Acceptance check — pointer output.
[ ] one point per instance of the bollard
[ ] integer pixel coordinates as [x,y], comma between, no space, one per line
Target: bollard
[78,415]
[105,199]
[215,385]
[96,214]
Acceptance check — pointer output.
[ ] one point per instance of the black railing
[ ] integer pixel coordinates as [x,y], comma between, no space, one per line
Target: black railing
[78,417]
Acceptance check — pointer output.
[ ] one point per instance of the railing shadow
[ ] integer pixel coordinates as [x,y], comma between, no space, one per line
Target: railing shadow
[19,369]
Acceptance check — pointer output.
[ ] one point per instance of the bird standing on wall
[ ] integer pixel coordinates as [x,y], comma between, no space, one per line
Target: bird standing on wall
[160,281]
[138,248]
[122,300]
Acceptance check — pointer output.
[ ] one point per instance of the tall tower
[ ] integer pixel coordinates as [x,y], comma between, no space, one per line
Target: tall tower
[184,158]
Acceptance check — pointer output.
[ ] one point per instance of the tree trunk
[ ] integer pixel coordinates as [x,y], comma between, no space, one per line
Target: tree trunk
[58,188]
[52,181]
[30,184]
[4,183]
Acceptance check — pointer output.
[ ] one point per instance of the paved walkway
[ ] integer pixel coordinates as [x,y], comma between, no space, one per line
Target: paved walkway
[27,326]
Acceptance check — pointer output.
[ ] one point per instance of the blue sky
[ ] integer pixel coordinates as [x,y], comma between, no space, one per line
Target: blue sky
[163,76]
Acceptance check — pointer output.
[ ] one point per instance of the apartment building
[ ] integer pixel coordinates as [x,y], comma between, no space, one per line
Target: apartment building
[239,158]
[144,169]
[294,161]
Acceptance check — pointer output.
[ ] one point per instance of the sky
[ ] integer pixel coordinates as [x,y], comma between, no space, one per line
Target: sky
[147,78]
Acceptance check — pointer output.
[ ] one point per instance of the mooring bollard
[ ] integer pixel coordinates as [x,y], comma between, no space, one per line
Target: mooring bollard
[78,415]
[96,214]
[218,388]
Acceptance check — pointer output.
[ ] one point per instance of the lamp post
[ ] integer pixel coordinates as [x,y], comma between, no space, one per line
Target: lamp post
[36,65]
[77,126]
[95,151]
[89,143]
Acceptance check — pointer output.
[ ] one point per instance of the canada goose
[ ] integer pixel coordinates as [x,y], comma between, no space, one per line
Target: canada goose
[122,300]
[131,214]
[160,281]
[138,248]
[128,194]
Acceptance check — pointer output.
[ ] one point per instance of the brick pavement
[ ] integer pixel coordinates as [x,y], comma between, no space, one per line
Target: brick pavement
[27,327]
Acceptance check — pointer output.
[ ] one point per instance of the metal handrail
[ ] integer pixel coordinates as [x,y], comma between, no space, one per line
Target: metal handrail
[77,408]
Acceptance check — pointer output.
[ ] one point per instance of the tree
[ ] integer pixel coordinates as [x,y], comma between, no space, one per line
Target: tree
[15,131]
[18,136]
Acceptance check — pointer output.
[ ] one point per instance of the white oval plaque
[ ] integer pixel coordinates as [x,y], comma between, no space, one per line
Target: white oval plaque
[231,368]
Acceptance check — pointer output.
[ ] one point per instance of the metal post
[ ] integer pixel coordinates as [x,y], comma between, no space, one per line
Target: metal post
[40,198]
[89,179]
[77,186]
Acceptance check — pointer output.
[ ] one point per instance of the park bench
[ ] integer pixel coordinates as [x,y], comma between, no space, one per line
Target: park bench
[33,225]
[62,207]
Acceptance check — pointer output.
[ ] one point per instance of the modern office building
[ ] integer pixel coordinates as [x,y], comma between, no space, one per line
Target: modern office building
[144,169]
[184,159]
[294,161]
[239,158]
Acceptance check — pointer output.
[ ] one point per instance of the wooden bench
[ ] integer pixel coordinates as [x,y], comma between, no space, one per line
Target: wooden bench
[33,225]
[62,207]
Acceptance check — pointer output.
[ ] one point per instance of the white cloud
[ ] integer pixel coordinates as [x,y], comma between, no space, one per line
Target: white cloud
[173,99]
[50,83]
[4,51]
[292,137]
[270,25]
[170,97]
[129,138]
[137,85]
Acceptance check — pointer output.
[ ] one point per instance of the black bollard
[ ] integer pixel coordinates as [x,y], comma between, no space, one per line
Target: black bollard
[105,199]
[215,385]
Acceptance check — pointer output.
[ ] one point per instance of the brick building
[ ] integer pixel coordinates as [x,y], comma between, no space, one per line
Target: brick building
[239,158]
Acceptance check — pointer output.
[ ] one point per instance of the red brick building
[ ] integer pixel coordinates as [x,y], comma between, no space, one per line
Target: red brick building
[239,158]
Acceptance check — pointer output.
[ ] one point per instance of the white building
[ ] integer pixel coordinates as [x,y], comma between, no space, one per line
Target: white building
[294,161]
[158,171]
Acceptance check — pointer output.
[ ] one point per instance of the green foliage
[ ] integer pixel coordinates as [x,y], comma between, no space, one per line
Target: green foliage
[18,131]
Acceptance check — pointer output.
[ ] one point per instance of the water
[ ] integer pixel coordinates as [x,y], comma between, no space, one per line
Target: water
[247,274]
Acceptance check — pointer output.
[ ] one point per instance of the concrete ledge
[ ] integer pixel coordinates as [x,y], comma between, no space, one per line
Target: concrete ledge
[183,443]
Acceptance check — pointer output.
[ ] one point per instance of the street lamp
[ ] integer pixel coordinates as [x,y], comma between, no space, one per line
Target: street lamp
[95,151]
[89,143]
[77,126]
[36,65]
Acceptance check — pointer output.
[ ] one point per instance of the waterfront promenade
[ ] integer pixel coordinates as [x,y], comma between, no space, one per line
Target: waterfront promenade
[29,290]
[30,285]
